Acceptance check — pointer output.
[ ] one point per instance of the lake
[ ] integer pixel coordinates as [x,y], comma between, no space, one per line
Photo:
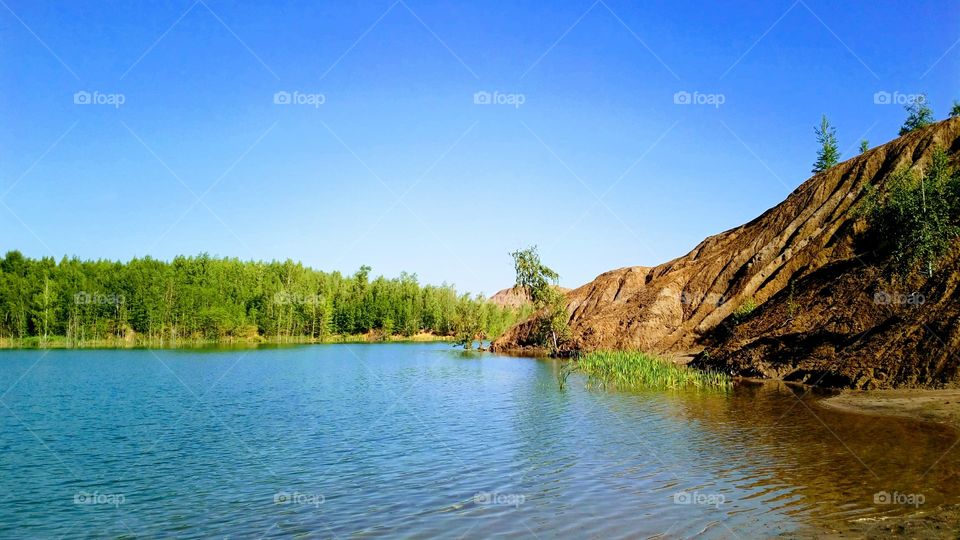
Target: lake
[420,441]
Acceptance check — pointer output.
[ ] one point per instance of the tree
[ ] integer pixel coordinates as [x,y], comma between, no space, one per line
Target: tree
[955,110]
[468,322]
[919,114]
[864,145]
[918,220]
[539,283]
[828,155]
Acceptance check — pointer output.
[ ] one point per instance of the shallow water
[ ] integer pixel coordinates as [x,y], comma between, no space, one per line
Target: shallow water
[418,441]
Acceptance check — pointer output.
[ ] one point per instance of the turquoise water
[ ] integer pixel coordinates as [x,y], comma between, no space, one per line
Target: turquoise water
[420,441]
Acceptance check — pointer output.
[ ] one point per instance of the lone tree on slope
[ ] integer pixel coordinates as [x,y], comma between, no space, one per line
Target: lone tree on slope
[828,155]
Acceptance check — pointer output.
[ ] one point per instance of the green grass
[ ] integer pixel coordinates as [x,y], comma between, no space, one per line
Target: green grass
[628,370]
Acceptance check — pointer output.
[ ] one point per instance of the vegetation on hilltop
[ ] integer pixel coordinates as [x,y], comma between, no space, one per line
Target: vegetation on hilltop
[917,220]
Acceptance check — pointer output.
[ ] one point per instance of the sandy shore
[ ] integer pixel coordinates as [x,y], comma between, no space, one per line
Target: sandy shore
[940,406]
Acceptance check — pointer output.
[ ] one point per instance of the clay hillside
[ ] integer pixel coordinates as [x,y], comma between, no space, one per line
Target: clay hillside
[815,283]
[515,297]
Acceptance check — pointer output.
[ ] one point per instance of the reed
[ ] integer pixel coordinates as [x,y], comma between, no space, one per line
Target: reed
[631,370]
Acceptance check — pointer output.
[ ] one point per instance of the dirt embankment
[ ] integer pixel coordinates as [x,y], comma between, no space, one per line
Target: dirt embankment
[824,312]
[515,297]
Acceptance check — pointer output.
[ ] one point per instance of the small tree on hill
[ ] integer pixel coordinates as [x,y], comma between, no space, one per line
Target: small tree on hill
[539,283]
[919,114]
[864,145]
[828,155]
[955,110]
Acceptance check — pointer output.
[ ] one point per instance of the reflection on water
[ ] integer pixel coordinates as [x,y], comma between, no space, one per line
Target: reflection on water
[420,441]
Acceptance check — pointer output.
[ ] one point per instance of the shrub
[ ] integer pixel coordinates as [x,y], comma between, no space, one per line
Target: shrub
[916,220]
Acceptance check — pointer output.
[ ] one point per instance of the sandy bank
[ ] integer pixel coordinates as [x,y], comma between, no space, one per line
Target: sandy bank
[941,406]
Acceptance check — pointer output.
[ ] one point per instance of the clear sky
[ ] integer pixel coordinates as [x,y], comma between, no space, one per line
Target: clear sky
[384,157]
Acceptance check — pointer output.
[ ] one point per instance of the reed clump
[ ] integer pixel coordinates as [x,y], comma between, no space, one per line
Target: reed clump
[632,370]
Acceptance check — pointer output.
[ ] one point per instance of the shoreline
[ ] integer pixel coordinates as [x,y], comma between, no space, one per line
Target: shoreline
[941,406]
[61,342]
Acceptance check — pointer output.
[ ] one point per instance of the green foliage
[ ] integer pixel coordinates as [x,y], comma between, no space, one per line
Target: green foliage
[919,115]
[630,370]
[533,277]
[744,310]
[539,283]
[828,155]
[918,219]
[207,298]
[955,110]
[864,145]
[468,323]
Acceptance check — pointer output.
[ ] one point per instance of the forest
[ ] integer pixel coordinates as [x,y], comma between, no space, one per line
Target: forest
[205,298]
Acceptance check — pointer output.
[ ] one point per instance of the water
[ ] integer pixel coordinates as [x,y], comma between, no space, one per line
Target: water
[419,441]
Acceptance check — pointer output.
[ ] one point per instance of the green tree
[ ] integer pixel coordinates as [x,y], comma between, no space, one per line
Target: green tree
[955,110]
[864,145]
[828,155]
[467,322]
[919,114]
[539,283]
[918,219]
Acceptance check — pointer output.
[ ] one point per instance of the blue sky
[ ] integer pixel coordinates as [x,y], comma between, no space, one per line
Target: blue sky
[583,151]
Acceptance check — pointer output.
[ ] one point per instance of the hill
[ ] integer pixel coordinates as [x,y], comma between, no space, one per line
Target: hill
[795,294]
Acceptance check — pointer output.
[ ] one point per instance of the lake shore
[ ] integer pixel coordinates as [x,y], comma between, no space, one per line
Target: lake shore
[61,342]
[938,406]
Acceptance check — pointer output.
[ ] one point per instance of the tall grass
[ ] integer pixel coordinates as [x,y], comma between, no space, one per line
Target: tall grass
[629,370]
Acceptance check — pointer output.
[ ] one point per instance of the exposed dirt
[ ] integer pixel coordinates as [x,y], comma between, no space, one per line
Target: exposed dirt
[815,282]
[941,406]
[514,297]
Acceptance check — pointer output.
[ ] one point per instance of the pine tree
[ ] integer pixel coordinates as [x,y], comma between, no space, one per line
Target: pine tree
[864,145]
[919,115]
[828,155]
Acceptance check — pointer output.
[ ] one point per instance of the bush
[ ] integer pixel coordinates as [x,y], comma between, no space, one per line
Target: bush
[916,221]
[744,310]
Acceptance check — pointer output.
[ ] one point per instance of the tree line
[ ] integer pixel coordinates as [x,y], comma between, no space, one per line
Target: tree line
[211,298]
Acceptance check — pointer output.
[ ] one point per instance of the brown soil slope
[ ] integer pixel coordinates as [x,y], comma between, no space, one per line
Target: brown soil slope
[514,297]
[805,265]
